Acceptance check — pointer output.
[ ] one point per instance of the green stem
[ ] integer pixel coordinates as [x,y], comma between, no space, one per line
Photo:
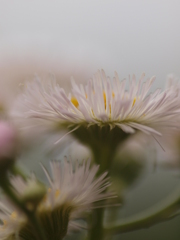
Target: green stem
[103,142]
[158,213]
[103,155]
[96,231]
[4,182]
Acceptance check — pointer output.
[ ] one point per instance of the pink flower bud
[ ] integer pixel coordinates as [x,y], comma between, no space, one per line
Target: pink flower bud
[8,138]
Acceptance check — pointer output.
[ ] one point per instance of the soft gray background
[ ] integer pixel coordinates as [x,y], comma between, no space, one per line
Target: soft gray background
[78,37]
[126,36]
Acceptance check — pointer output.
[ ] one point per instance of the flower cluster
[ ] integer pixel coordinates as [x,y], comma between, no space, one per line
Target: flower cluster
[72,191]
[101,114]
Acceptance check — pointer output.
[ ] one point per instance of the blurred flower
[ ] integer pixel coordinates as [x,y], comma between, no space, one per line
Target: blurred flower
[166,152]
[170,142]
[78,189]
[130,161]
[170,157]
[12,220]
[72,192]
[30,191]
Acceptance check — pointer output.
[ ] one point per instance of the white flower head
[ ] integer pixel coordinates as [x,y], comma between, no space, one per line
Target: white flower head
[12,220]
[72,191]
[75,186]
[101,102]
[76,189]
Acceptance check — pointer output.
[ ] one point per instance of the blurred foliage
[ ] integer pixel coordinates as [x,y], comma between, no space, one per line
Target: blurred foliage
[125,171]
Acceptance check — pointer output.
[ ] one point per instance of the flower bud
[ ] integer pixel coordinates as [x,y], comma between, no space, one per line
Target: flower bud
[33,194]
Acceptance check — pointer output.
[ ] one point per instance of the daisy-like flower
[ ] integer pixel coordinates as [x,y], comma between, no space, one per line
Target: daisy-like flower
[102,113]
[75,190]
[101,102]
[71,192]
[14,223]
[12,220]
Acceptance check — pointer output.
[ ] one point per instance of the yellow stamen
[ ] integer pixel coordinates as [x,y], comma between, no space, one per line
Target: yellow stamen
[75,102]
[134,101]
[14,215]
[57,193]
[104,95]
[4,223]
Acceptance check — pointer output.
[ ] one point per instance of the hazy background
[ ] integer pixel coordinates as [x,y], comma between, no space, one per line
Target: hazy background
[78,37]
[126,36]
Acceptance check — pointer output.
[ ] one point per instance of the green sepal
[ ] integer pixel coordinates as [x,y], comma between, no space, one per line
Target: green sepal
[54,224]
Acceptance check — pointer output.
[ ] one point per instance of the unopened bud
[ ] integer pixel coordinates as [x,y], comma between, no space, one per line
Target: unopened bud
[33,194]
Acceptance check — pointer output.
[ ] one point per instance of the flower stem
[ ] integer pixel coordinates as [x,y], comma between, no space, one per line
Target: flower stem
[103,155]
[163,211]
[4,183]
[103,142]
[96,231]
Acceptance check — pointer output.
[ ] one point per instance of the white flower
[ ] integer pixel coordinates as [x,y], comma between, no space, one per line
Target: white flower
[101,102]
[72,192]
[76,187]
[12,220]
